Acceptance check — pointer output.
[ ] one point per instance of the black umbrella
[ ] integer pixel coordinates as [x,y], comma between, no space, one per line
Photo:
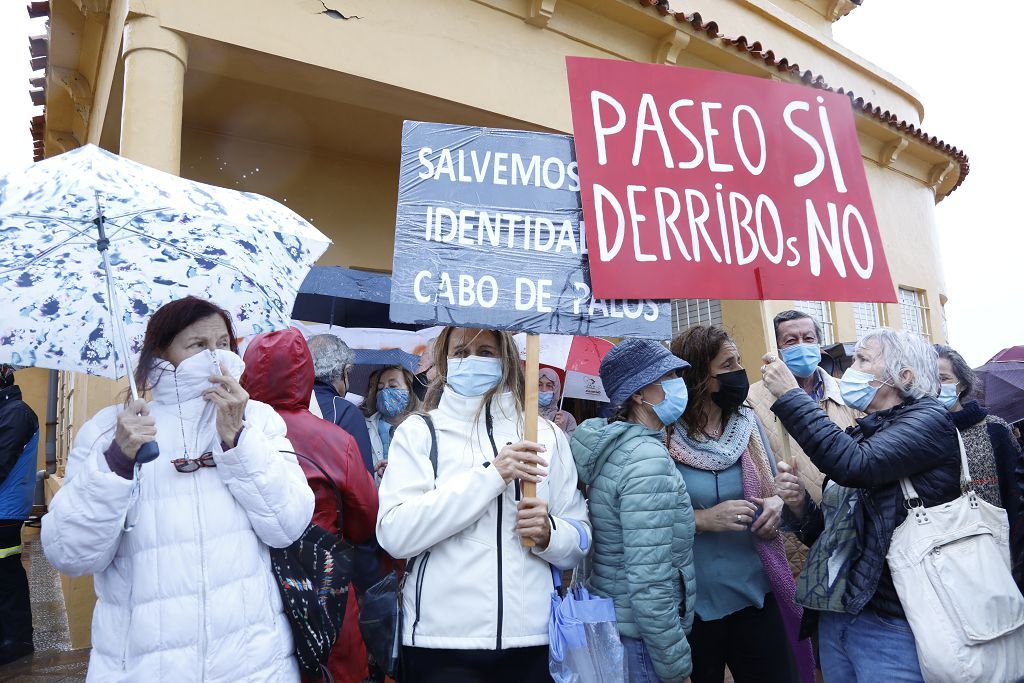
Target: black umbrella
[1003,388]
[368,361]
[347,298]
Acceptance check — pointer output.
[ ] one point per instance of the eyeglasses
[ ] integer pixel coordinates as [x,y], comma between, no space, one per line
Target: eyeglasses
[187,465]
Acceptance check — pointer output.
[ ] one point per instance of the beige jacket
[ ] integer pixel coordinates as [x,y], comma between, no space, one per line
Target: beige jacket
[783,445]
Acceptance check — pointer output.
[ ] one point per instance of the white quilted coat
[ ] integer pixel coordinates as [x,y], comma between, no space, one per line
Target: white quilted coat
[181,561]
[473,586]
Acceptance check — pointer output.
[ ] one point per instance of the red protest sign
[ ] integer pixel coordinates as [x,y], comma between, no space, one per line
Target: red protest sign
[707,184]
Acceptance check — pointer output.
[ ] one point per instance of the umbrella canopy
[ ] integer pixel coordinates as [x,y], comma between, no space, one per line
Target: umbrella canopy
[368,361]
[1012,353]
[1003,383]
[346,297]
[163,237]
[579,356]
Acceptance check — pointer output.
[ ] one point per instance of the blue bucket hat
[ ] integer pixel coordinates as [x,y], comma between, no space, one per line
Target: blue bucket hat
[633,364]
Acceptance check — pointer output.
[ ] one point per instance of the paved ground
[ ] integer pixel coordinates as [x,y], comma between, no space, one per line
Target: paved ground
[54,661]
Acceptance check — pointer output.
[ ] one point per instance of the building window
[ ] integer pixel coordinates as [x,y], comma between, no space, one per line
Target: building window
[914,311]
[689,312]
[822,312]
[867,317]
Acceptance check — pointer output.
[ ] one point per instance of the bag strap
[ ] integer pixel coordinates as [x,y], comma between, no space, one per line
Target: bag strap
[910,493]
[433,442]
[330,482]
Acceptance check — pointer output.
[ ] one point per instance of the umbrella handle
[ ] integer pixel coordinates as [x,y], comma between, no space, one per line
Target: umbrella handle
[148,452]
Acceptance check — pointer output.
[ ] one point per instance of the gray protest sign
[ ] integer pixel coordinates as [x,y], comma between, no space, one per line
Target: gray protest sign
[489,234]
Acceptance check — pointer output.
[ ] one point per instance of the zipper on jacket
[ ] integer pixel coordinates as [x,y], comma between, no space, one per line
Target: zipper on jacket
[501,501]
[419,594]
[202,578]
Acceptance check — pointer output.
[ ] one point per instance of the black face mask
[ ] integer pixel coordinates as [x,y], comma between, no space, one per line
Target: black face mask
[732,390]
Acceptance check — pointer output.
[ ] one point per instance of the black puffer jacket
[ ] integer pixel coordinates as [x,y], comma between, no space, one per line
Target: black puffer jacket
[915,439]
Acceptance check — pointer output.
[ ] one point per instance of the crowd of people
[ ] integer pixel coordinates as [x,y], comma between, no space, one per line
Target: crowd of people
[734,527]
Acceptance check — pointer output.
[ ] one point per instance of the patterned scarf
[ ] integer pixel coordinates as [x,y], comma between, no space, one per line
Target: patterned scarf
[714,455]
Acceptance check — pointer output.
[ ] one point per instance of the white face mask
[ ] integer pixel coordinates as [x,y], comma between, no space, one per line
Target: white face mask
[473,375]
[948,395]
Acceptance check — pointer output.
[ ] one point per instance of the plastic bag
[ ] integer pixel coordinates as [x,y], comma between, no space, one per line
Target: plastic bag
[584,639]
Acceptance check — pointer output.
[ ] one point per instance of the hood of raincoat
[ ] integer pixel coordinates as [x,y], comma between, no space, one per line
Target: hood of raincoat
[595,439]
[279,370]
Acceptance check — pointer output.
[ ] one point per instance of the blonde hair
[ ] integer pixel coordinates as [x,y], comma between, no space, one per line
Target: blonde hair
[512,378]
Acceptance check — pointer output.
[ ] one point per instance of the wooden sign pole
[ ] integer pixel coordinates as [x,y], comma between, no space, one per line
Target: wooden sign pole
[530,419]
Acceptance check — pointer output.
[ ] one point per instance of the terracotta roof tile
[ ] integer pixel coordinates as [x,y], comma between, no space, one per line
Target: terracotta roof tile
[756,50]
[38,9]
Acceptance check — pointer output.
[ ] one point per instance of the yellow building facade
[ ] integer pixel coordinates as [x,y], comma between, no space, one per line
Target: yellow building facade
[303,101]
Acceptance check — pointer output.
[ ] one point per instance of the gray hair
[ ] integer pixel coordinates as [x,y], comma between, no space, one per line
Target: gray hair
[906,351]
[786,316]
[961,369]
[330,357]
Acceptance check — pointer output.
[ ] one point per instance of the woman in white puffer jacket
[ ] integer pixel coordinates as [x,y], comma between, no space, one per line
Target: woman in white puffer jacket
[476,602]
[180,546]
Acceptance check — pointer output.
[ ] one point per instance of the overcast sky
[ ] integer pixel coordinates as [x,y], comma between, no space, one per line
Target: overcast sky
[964,72]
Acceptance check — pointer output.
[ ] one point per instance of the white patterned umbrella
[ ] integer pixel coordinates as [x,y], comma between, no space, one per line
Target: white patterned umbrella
[88,233]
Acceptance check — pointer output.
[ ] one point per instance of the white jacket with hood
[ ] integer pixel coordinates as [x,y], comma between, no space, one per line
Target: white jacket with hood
[473,585]
[181,561]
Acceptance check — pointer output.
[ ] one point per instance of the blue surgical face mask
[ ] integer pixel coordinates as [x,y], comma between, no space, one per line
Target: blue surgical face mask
[392,401]
[948,395]
[545,398]
[802,359]
[672,407]
[856,390]
[473,375]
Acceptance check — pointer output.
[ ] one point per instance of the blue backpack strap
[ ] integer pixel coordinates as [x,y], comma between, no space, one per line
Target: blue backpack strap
[433,442]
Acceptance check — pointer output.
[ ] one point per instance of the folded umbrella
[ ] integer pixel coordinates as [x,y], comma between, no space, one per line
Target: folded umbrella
[583,640]
[91,244]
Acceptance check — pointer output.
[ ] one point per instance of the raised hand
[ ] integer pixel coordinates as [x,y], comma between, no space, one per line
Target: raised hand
[789,487]
[134,428]
[777,377]
[230,399]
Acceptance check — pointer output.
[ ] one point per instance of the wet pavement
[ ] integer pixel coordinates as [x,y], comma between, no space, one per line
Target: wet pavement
[53,661]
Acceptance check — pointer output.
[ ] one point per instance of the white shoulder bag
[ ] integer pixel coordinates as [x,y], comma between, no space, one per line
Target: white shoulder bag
[951,567]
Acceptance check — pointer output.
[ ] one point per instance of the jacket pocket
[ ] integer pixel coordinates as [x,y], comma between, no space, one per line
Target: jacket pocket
[974,587]
[682,593]
[127,631]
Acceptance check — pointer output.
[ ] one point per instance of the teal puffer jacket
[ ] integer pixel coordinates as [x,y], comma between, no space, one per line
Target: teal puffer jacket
[643,537]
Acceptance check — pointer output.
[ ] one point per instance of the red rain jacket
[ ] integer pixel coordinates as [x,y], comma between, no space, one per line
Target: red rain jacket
[279,372]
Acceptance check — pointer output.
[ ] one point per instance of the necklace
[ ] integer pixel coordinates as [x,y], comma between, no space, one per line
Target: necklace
[181,423]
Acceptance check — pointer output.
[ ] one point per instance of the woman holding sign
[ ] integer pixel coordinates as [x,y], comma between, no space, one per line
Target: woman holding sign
[746,618]
[476,601]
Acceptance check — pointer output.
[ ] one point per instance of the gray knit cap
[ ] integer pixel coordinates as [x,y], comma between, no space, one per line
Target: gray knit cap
[633,364]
